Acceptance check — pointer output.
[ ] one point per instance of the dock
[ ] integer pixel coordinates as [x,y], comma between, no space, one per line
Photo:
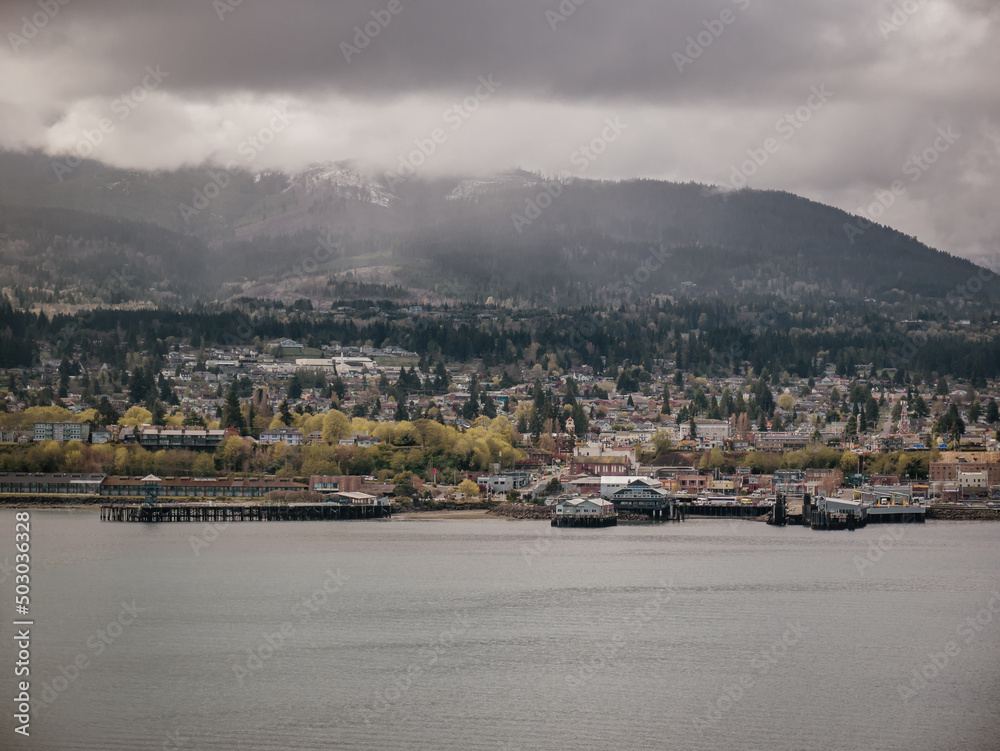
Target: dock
[739,510]
[239,512]
[585,521]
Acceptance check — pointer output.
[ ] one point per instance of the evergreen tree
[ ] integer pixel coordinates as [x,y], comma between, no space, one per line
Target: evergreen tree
[489,407]
[992,412]
[159,414]
[106,413]
[294,387]
[975,411]
[340,389]
[402,414]
[232,413]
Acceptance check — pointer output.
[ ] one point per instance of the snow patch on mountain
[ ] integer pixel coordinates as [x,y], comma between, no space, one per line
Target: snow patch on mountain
[343,181]
[475,189]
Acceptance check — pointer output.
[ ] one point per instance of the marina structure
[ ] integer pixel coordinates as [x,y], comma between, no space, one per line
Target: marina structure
[585,512]
[243,512]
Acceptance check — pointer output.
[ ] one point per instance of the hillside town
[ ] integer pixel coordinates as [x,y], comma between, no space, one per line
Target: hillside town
[388,422]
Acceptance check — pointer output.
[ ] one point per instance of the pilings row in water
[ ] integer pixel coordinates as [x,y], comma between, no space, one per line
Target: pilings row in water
[227,512]
[742,511]
[572,520]
[896,517]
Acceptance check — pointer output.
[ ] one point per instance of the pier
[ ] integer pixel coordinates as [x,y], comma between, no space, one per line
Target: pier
[741,510]
[233,512]
[585,521]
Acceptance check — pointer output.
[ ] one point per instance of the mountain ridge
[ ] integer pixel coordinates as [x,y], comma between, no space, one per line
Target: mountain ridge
[513,235]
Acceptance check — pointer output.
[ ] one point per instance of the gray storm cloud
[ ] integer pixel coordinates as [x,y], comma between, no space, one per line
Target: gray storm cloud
[716,92]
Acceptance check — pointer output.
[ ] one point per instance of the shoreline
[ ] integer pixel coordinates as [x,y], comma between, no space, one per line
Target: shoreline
[452,510]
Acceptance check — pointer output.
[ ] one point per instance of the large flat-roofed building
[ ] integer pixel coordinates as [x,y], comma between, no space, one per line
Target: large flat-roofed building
[335,483]
[200,487]
[65,483]
[504,483]
[48,483]
[714,432]
[178,438]
[781,441]
[601,465]
[62,431]
[954,463]
[641,494]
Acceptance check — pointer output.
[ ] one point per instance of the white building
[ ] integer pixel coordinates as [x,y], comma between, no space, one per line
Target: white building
[611,484]
[288,436]
[585,507]
[708,432]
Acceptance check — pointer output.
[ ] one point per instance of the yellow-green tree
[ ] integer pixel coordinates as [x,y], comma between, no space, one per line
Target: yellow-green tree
[136,416]
[203,466]
[468,488]
[849,463]
[336,425]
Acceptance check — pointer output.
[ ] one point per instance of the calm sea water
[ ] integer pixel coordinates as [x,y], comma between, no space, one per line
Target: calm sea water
[492,634]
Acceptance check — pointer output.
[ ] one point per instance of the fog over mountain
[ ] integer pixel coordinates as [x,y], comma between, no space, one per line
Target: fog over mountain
[701,90]
[108,235]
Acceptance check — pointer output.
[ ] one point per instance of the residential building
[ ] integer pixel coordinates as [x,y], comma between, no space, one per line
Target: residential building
[779,442]
[62,431]
[156,438]
[288,436]
[708,433]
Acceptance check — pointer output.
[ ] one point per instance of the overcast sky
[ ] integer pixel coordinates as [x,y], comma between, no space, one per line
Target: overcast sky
[694,85]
